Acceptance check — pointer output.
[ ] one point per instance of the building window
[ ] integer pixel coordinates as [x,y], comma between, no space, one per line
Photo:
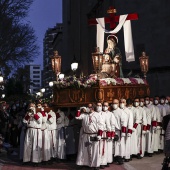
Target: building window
[36,72]
[36,81]
[36,67]
[36,76]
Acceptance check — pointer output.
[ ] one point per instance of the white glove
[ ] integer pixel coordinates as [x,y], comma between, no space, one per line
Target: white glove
[123,134]
[154,129]
[143,132]
[147,131]
[109,139]
[128,134]
[158,127]
[29,113]
[99,137]
[133,129]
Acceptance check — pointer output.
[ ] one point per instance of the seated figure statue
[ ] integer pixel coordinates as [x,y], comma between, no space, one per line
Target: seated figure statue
[112,58]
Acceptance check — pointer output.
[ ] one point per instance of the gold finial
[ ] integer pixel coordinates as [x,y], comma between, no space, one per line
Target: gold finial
[111,11]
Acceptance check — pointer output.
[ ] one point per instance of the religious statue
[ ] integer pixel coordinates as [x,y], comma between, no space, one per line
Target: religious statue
[112,58]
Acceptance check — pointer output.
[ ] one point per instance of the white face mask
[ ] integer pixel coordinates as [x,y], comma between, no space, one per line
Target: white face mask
[162,101]
[4,107]
[156,102]
[166,101]
[129,107]
[122,105]
[141,104]
[87,110]
[146,102]
[136,104]
[151,102]
[105,108]
[115,106]
[99,108]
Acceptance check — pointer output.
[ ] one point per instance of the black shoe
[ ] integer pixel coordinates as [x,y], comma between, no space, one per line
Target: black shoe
[150,154]
[120,160]
[138,156]
[126,160]
[102,167]
[96,168]
[35,165]
[108,165]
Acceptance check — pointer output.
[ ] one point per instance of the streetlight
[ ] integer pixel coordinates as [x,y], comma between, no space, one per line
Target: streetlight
[42,90]
[51,84]
[61,76]
[97,58]
[56,63]
[74,65]
[144,63]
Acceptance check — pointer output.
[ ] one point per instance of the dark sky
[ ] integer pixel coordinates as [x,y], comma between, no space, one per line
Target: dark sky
[44,14]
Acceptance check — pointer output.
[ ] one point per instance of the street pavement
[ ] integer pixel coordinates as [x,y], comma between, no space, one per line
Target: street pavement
[11,162]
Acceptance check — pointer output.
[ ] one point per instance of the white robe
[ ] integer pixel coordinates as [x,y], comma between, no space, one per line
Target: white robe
[136,133]
[33,140]
[112,120]
[129,114]
[89,151]
[163,112]
[121,119]
[143,131]
[103,142]
[60,135]
[148,135]
[151,139]
[51,126]
[46,156]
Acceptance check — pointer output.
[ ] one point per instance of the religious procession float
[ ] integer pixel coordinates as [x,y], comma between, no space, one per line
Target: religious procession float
[108,82]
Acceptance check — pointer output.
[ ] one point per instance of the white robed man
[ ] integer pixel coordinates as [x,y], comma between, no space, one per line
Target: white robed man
[46,155]
[151,129]
[33,137]
[156,136]
[110,132]
[129,115]
[51,125]
[163,112]
[139,128]
[89,152]
[143,126]
[120,130]
[148,134]
[103,141]
[167,105]
[60,134]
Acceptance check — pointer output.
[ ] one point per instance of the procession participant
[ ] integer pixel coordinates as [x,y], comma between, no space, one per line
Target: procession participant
[135,137]
[143,126]
[148,127]
[129,104]
[60,134]
[167,105]
[89,152]
[162,109]
[158,123]
[129,115]
[46,155]
[103,141]
[33,137]
[152,132]
[51,126]
[120,130]
[110,132]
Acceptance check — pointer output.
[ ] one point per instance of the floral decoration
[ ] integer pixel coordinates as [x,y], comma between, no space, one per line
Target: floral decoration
[90,81]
